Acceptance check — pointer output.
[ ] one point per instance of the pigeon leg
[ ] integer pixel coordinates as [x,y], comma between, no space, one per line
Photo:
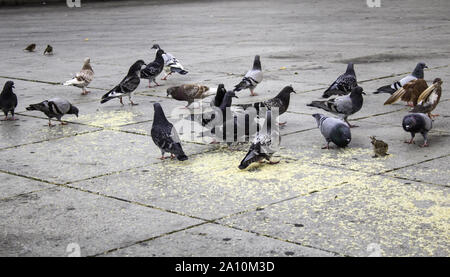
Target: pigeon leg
[411,141]
[156,83]
[350,125]
[252,93]
[410,104]
[433,115]
[121,102]
[149,83]
[131,101]
[327,146]
[167,75]
[425,140]
[50,123]
[282,123]
[63,123]
[172,156]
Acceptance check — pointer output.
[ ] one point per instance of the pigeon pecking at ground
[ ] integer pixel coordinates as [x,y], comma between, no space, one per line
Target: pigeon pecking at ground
[153,69]
[409,93]
[342,105]
[253,77]
[333,130]
[380,147]
[55,107]
[8,100]
[417,123]
[83,78]
[343,84]
[165,136]
[262,147]
[416,74]
[188,92]
[171,64]
[127,85]
[48,50]
[30,48]
[429,99]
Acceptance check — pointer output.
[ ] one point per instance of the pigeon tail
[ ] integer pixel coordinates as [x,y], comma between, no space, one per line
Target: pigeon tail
[320,105]
[385,89]
[251,157]
[245,83]
[107,96]
[341,136]
[181,71]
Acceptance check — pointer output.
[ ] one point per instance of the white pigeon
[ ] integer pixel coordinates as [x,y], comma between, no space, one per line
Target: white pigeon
[83,78]
[171,65]
[253,77]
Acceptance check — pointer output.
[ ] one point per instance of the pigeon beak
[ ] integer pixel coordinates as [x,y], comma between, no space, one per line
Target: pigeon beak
[363,93]
[294,92]
[235,96]
[425,66]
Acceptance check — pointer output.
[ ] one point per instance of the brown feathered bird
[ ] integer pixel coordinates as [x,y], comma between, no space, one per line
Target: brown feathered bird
[48,50]
[82,78]
[429,99]
[30,48]
[409,92]
[188,92]
[380,147]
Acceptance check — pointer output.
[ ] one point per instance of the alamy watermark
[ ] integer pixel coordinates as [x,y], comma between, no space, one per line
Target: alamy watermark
[73,3]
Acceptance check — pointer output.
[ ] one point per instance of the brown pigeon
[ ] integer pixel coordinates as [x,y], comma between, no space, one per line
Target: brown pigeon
[409,92]
[188,92]
[429,99]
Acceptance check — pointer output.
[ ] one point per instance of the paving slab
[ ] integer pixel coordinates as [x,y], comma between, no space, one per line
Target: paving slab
[376,216]
[11,185]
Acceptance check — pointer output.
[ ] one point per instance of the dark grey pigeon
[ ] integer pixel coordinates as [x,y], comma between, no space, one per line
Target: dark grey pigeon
[252,78]
[127,85]
[417,123]
[55,107]
[8,100]
[416,74]
[220,94]
[342,106]
[343,84]
[165,136]
[153,69]
[262,147]
[333,130]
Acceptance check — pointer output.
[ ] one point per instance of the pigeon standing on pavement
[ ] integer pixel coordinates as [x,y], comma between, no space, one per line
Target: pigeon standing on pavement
[429,99]
[165,136]
[252,78]
[416,74]
[333,130]
[343,84]
[30,48]
[83,78]
[55,107]
[153,69]
[48,50]
[8,100]
[127,85]
[342,105]
[409,93]
[417,123]
[188,92]
[220,94]
[380,147]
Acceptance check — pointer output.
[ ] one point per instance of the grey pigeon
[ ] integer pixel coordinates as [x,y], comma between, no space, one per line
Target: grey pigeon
[127,85]
[417,123]
[165,136]
[416,74]
[262,147]
[334,130]
[55,107]
[8,100]
[153,69]
[220,94]
[343,84]
[171,64]
[342,105]
[253,77]
[83,78]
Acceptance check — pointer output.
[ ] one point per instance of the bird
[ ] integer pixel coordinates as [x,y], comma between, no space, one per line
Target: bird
[416,74]
[171,64]
[429,99]
[263,145]
[409,92]
[343,84]
[127,85]
[252,78]
[342,105]
[380,147]
[417,123]
[55,107]
[153,69]
[48,50]
[30,48]
[165,136]
[281,101]
[188,92]
[8,100]
[333,130]
[83,78]
[220,94]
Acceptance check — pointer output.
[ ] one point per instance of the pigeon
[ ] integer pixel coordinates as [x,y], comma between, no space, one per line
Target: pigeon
[127,85]
[153,69]
[171,64]
[82,78]
[342,105]
[429,99]
[380,147]
[416,74]
[334,130]
[55,107]
[343,84]
[281,101]
[188,92]
[30,48]
[165,136]
[252,78]
[261,148]
[409,92]
[220,94]
[8,100]
[417,123]
[48,50]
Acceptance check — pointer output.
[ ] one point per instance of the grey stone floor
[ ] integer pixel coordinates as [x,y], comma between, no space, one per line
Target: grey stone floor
[97,182]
